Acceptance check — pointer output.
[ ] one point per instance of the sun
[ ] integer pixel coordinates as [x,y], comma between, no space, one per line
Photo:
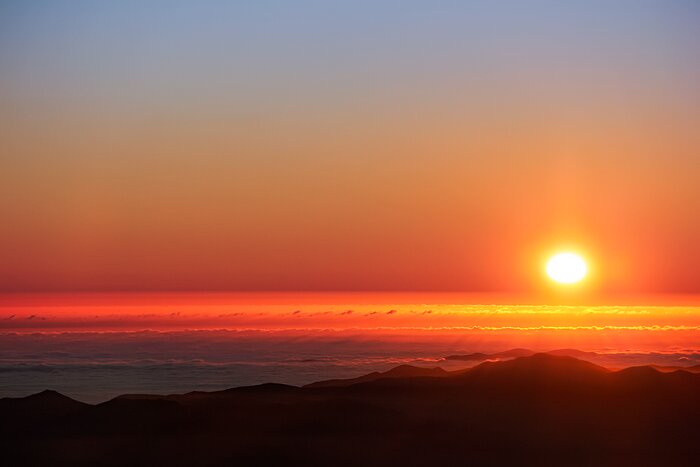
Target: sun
[567,268]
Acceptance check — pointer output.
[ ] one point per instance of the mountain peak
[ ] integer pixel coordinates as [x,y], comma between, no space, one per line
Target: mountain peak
[538,368]
[51,397]
[401,371]
[554,360]
[48,394]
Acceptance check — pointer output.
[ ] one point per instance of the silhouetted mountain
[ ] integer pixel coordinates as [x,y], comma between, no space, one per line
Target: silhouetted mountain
[480,357]
[540,366]
[402,371]
[514,353]
[538,410]
[572,353]
[669,369]
[24,413]
[48,402]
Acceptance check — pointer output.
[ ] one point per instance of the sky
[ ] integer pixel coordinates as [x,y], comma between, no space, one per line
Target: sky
[368,145]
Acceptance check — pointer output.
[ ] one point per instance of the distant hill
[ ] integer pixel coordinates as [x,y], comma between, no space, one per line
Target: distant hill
[402,371]
[541,368]
[540,409]
[32,412]
[514,353]
[480,357]
[670,369]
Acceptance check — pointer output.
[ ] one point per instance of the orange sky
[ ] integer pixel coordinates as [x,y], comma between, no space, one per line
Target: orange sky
[446,149]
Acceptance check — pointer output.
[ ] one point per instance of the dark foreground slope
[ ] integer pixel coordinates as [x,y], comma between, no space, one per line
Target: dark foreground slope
[537,410]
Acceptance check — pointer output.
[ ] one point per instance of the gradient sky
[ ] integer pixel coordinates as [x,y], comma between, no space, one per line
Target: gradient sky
[377,145]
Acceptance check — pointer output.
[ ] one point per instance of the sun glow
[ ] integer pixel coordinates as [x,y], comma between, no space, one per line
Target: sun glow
[567,268]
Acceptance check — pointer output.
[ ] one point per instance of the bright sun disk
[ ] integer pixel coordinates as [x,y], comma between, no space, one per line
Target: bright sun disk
[566,268]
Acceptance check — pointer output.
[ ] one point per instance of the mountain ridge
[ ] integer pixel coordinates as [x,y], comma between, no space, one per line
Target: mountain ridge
[538,410]
[537,362]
